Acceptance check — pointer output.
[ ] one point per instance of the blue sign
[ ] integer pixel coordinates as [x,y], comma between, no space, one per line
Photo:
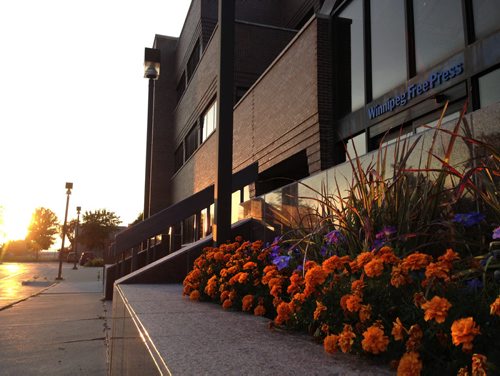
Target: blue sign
[415,90]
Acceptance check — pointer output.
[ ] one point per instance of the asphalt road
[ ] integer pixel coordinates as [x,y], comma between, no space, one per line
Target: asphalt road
[12,274]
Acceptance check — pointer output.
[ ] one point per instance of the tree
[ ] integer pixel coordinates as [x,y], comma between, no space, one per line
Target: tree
[97,228]
[42,230]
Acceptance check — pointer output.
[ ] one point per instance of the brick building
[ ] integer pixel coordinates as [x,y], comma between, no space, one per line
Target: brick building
[312,78]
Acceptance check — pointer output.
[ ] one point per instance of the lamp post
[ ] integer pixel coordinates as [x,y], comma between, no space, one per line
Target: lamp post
[152,59]
[78,208]
[69,187]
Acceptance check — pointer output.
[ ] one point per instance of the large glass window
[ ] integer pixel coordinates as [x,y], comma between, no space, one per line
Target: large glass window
[388,45]
[193,60]
[486,17]
[179,157]
[438,30]
[489,88]
[209,121]
[356,146]
[354,12]
[191,141]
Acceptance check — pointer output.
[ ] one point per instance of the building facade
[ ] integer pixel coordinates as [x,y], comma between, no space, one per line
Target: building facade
[314,81]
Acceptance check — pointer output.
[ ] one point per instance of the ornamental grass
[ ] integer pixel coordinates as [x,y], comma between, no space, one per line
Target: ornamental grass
[397,268]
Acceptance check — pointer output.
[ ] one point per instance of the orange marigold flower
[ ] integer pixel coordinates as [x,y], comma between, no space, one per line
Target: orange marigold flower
[211,287]
[360,261]
[357,286]
[284,313]
[224,294]
[415,336]
[227,304]
[195,295]
[353,303]
[333,263]
[398,329]
[437,309]
[374,341]
[315,276]
[410,364]
[346,339]
[232,269]
[259,310]
[320,307]
[219,256]
[330,343]
[495,307]
[343,301]
[463,332]
[374,268]
[386,254]
[463,372]
[299,297]
[479,365]
[247,302]
[365,313]
[296,281]
[232,295]
[398,276]
[243,277]
[416,261]
[449,256]
[437,270]
[325,328]
[249,265]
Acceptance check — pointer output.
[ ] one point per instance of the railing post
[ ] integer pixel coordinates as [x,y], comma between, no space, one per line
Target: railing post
[133,261]
[148,247]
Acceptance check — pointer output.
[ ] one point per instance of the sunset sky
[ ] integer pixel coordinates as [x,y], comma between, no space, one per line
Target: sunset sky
[73,104]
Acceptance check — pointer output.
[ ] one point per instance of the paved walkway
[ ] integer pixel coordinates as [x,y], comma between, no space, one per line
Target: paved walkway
[193,338]
[61,331]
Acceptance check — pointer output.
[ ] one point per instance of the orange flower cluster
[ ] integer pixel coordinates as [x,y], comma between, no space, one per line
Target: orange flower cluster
[374,340]
[410,364]
[463,332]
[436,309]
[346,292]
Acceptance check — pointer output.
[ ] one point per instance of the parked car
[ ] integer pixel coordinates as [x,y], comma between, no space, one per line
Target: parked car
[86,256]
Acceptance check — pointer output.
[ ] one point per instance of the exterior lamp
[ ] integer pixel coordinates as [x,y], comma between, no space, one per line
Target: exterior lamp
[78,209]
[69,187]
[152,63]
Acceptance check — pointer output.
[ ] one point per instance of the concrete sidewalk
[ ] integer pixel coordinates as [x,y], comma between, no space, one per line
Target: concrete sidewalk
[61,331]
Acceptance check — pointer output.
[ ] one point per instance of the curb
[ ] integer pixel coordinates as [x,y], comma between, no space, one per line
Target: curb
[26,298]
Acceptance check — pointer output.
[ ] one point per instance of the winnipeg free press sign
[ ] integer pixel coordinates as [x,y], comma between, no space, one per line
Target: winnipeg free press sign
[414,90]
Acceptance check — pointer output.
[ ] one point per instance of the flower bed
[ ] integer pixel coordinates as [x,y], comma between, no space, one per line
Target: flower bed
[415,312]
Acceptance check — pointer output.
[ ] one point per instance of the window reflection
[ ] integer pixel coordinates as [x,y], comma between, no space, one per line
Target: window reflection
[388,45]
[486,17]
[438,30]
[354,12]
[489,88]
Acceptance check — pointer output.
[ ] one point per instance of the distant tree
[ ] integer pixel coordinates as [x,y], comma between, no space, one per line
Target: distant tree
[42,230]
[16,248]
[139,219]
[96,228]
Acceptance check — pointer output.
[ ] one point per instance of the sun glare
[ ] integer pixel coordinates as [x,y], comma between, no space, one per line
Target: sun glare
[14,226]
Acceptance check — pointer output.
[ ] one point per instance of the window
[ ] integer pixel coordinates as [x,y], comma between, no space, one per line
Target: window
[438,31]
[388,45]
[354,12]
[181,87]
[178,157]
[209,121]
[489,88]
[191,142]
[193,60]
[486,17]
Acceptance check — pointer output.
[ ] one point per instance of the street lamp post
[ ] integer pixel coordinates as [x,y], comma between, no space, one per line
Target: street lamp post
[78,208]
[69,187]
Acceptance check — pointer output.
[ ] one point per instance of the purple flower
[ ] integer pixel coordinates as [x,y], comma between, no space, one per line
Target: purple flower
[496,233]
[281,261]
[334,237]
[468,219]
[474,285]
[389,230]
[299,268]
